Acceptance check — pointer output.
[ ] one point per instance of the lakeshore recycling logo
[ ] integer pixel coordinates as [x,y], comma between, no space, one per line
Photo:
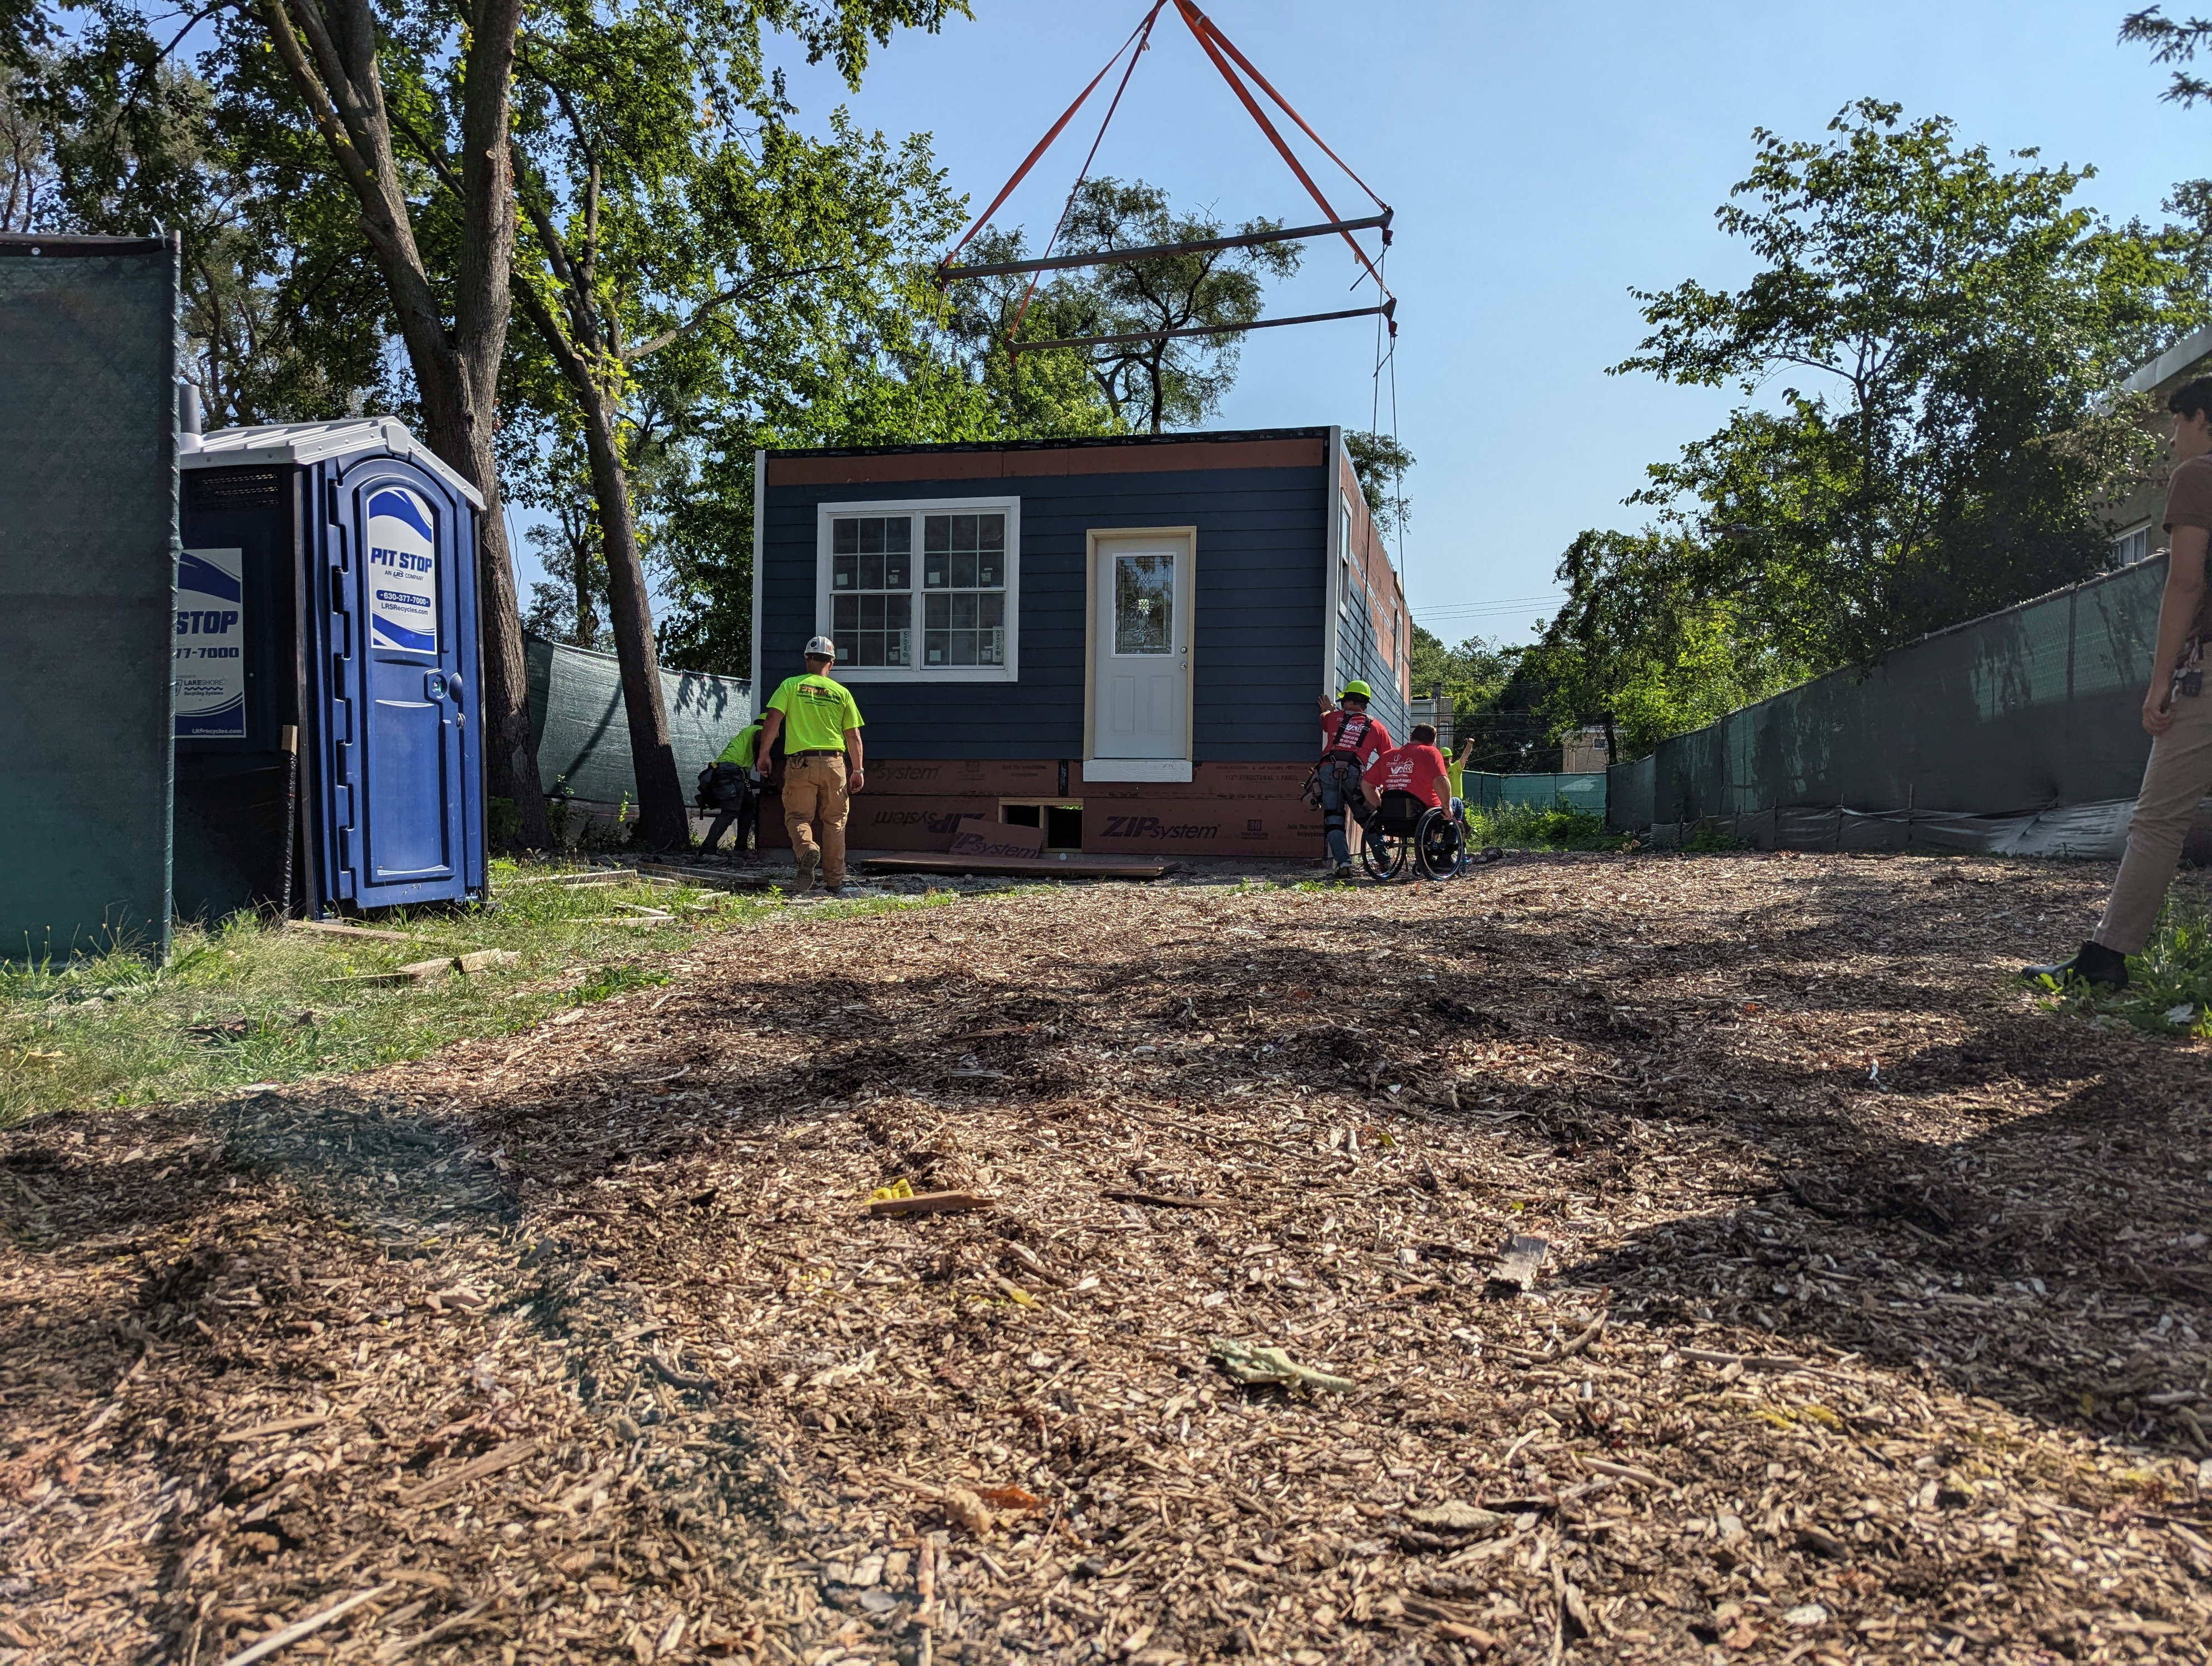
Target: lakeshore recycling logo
[208,649]
[403,572]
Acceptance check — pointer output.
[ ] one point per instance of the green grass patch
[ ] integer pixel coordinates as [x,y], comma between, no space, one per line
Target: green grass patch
[2169,989]
[242,1002]
[1540,827]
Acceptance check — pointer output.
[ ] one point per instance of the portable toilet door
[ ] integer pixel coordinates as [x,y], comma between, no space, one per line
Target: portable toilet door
[400,591]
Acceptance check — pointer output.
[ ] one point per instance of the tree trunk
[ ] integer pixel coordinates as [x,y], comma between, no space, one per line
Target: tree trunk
[579,569]
[663,823]
[510,756]
[456,369]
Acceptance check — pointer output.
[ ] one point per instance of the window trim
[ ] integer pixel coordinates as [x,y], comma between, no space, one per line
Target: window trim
[1344,557]
[2116,560]
[823,570]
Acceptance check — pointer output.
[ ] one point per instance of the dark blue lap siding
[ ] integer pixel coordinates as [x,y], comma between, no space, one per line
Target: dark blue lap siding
[1262,540]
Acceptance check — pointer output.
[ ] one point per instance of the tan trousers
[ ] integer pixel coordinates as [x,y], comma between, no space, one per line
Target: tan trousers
[815,801]
[2175,781]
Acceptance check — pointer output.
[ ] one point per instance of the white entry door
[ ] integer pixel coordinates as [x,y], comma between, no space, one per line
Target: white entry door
[1140,635]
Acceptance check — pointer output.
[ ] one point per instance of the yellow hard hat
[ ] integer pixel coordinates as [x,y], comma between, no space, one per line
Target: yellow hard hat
[1356,689]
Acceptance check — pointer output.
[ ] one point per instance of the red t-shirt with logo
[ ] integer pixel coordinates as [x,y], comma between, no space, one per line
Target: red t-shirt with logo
[1416,770]
[1373,742]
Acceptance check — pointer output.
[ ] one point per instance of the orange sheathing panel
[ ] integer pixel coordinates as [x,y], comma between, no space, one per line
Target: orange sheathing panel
[889,821]
[1226,809]
[1230,783]
[1018,464]
[1214,827]
[1010,778]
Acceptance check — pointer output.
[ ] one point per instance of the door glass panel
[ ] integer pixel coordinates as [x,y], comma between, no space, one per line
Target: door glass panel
[1144,603]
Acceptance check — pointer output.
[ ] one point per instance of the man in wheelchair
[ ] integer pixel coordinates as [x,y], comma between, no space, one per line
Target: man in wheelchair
[1416,824]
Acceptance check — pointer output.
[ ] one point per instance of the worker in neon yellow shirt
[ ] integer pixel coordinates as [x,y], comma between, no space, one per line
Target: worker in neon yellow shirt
[734,785]
[819,725]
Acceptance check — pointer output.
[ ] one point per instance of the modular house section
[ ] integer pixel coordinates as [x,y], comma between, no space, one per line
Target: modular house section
[1118,641]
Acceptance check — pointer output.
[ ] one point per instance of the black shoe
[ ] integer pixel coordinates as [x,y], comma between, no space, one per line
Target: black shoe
[2093,964]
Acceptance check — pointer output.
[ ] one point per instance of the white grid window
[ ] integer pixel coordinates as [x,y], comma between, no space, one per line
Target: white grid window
[2130,547]
[924,590]
[964,579]
[871,589]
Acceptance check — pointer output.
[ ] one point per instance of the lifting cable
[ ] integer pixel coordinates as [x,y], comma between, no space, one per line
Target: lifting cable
[1221,51]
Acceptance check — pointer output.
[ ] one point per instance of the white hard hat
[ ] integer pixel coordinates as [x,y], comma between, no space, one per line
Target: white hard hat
[821,647]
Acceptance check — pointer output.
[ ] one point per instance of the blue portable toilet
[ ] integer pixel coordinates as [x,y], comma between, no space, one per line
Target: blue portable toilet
[328,583]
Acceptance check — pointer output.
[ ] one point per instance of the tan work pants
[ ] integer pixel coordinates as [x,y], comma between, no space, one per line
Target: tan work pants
[2175,781]
[816,803]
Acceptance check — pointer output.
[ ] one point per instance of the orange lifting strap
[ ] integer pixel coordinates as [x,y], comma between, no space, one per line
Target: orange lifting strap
[1222,52]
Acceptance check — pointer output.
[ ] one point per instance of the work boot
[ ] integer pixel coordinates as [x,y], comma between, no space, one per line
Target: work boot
[2093,963]
[804,881]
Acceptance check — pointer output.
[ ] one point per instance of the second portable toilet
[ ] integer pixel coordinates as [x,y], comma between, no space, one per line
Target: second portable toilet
[327,588]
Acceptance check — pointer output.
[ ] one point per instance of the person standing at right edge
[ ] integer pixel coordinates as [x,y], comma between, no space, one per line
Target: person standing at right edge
[820,727]
[2177,713]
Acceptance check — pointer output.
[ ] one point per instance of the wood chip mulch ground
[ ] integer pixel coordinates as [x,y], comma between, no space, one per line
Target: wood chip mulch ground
[1869,1319]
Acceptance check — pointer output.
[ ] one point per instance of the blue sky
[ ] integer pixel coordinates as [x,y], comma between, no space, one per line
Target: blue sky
[1542,160]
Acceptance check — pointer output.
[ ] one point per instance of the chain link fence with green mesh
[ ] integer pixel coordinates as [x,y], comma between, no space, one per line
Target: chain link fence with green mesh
[2019,731]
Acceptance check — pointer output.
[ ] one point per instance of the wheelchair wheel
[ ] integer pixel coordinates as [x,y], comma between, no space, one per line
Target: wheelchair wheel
[1384,856]
[1440,847]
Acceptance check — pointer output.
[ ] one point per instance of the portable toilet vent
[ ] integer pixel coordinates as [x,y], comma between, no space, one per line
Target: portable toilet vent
[327,586]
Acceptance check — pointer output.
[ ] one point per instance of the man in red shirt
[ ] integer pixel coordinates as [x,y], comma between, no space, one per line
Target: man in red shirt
[1351,741]
[1417,768]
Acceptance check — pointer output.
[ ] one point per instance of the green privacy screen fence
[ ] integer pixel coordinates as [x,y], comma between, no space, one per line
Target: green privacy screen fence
[583,738]
[1579,790]
[2018,732]
[87,591]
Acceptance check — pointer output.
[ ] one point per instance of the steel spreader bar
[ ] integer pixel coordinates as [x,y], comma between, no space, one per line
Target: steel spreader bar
[1388,309]
[1121,257]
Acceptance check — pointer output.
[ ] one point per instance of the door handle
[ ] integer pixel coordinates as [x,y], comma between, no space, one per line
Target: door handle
[434,685]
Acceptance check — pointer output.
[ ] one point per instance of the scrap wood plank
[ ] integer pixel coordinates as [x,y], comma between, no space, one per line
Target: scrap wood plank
[499,1458]
[930,1203]
[1518,1266]
[1161,1200]
[420,971]
[299,1629]
[339,929]
[706,878]
[282,1425]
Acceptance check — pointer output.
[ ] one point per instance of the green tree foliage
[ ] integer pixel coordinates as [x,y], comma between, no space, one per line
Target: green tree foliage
[1498,702]
[854,351]
[1472,674]
[284,317]
[2177,44]
[1381,464]
[1637,644]
[1955,325]
[1150,383]
[28,182]
[1928,347]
